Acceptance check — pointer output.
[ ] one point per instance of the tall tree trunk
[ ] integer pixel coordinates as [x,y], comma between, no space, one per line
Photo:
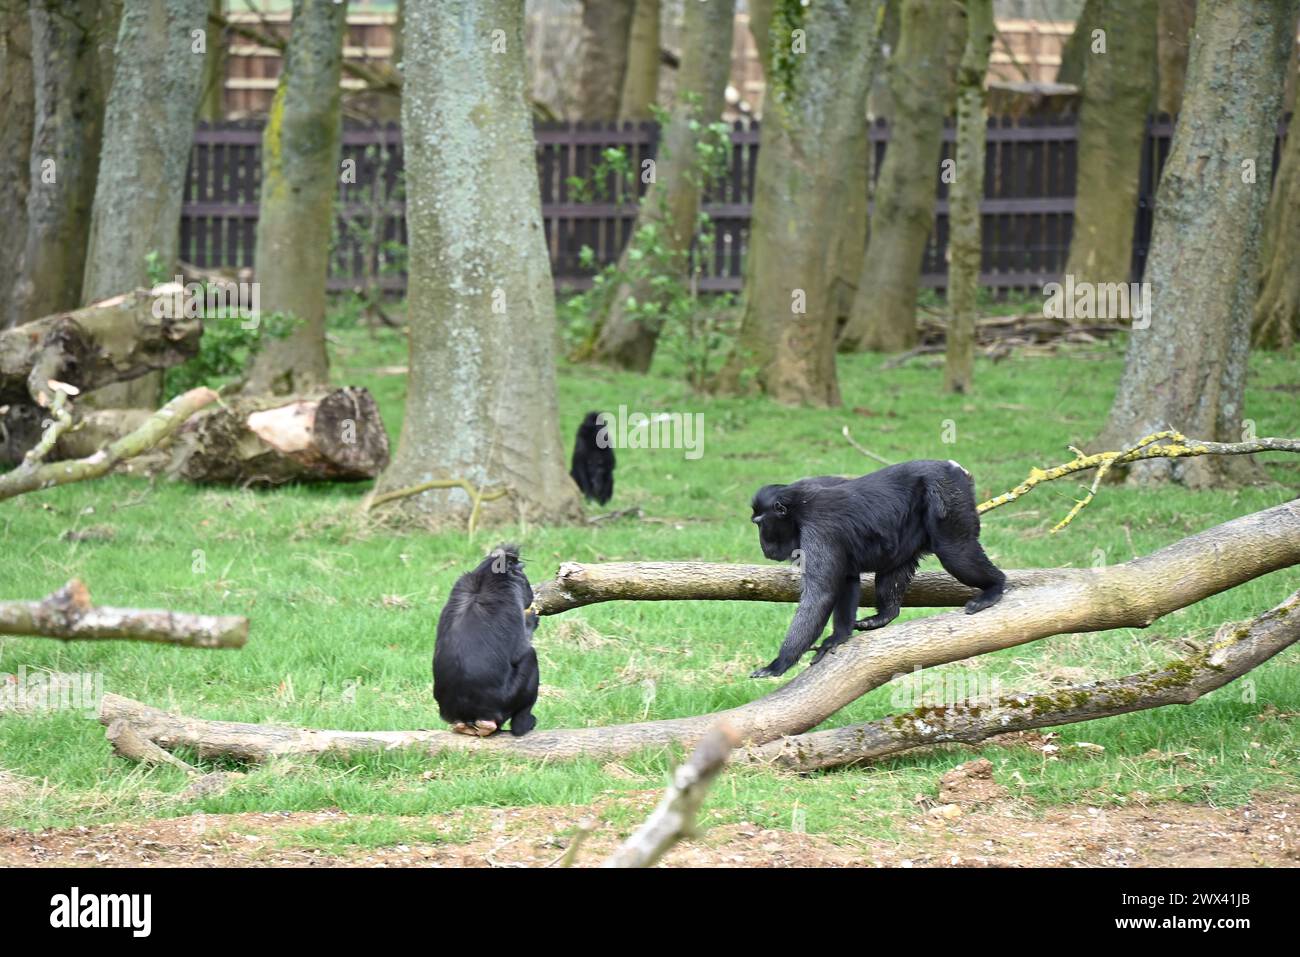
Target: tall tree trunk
[1277,309]
[481,399]
[17,104]
[300,177]
[665,223]
[641,79]
[810,197]
[1078,46]
[1174,37]
[964,221]
[884,310]
[69,116]
[606,26]
[212,104]
[1187,369]
[1118,90]
[148,129]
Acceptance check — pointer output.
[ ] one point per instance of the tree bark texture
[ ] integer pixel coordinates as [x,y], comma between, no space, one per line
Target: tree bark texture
[964,198]
[670,208]
[810,200]
[1186,369]
[300,181]
[883,316]
[481,401]
[148,133]
[1119,87]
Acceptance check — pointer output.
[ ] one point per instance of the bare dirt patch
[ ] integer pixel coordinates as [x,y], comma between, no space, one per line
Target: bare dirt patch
[990,830]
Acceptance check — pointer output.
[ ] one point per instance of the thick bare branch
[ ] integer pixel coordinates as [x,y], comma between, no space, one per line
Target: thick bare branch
[1129,595]
[68,614]
[674,818]
[1236,649]
[576,584]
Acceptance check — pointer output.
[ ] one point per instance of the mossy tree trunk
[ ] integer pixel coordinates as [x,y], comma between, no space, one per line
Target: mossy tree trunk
[883,317]
[666,220]
[481,400]
[1119,86]
[641,78]
[1174,21]
[17,103]
[1277,309]
[300,180]
[606,26]
[1078,45]
[148,132]
[810,200]
[1186,370]
[964,196]
[212,105]
[64,157]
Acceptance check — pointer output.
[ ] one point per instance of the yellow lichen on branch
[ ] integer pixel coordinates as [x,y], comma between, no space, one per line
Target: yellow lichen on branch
[1177,446]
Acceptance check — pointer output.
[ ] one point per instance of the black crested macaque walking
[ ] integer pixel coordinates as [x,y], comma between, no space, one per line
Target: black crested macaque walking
[484,665]
[593,460]
[884,523]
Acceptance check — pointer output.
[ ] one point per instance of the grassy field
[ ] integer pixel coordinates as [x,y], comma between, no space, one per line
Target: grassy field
[343,616]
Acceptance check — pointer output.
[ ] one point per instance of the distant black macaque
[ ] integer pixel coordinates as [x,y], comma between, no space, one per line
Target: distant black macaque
[885,523]
[484,665]
[593,460]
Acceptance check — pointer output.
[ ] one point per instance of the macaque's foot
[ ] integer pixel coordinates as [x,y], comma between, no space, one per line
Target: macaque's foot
[827,647]
[521,724]
[773,670]
[874,622]
[985,599]
[479,729]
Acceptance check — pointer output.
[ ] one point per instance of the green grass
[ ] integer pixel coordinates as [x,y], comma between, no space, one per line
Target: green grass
[343,619]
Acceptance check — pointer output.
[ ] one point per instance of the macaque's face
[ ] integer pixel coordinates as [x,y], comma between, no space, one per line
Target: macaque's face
[777,533]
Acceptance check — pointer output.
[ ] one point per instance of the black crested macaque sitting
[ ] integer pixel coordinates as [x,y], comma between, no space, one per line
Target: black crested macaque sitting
[593,460]
[885,523]
[484,665]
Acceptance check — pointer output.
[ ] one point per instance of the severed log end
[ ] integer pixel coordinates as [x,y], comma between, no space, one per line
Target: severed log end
[336,436]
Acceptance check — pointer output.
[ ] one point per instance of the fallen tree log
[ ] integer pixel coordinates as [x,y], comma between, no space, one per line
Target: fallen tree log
[69,614]
[1128,595]
[333,436]
[33,474]
[1237,648]
[113,340]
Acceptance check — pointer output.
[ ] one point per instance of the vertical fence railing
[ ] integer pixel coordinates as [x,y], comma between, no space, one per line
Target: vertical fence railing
[1027,211]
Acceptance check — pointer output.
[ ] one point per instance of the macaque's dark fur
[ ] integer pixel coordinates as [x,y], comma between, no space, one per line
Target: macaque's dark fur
[484,665]
[593,464]
[884,523]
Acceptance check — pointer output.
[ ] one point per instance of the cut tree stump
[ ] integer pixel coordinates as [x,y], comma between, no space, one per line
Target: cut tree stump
[268,440]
